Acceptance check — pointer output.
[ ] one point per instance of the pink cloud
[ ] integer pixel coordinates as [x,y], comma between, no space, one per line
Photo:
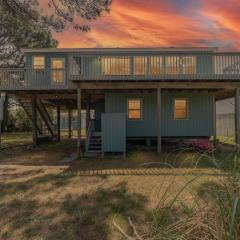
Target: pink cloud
[154,23]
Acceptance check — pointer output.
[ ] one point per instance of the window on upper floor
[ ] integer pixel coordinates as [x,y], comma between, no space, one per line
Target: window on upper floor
[119,65]
[181,109]
[180,64]
[134,109]
[140,65]
[58,71]
[156,65]
[188,64]
[38,62]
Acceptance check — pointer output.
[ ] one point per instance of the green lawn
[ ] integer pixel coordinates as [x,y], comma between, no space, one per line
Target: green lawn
[23,138]
[9,139]
[43,196]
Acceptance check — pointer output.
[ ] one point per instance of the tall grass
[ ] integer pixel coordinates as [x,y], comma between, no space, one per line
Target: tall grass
[212,211]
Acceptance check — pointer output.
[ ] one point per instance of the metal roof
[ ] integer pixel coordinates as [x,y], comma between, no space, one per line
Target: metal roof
[120,50]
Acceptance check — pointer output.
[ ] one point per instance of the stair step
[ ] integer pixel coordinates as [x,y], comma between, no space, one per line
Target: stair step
[96,134]
[95,141]
[95,144]
[96,137]
[94,148]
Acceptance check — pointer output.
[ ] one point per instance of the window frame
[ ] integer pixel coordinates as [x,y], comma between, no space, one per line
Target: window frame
[44,63]
[141,109]
[52,69]
[187,109]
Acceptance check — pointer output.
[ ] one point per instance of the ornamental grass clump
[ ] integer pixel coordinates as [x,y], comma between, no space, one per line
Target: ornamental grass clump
[209,210]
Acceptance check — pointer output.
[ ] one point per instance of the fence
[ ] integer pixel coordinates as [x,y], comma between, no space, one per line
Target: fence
[226,125]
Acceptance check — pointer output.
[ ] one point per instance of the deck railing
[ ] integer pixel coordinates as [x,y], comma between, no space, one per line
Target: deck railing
[209,66]
[126,67]
[22,78]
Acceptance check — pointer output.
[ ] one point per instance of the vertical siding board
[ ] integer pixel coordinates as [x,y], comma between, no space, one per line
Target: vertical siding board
[198,124]
[44,80]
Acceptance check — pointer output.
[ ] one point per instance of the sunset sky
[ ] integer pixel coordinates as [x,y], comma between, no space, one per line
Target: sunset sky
[162,23]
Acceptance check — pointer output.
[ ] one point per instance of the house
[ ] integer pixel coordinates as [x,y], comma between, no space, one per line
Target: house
[149,94]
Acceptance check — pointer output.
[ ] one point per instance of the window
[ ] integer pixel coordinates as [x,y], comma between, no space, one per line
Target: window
[181,65]
[156,65]
[58,70]
[119,65]
[173,65]
[189,65]
[141,65]
[134,109]
[180,109]
[38,62]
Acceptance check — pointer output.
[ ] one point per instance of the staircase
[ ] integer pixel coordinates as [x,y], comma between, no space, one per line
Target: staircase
[27,106]
[46,117]
[93,141]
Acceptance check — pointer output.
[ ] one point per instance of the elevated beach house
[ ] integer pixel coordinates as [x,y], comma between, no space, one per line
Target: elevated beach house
[129,94]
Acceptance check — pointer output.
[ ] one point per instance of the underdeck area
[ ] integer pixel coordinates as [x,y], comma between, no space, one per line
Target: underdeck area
[108,126]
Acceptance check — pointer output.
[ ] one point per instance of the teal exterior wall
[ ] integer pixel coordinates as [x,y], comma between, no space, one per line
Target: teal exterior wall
[91,66]
[204,64]
[199,122]
[37,79]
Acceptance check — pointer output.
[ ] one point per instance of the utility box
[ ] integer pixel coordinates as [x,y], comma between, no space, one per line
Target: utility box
[113,132]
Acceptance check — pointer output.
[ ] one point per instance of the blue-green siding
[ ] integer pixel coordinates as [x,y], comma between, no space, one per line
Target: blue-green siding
[48,56]
[200,117]
[43,79]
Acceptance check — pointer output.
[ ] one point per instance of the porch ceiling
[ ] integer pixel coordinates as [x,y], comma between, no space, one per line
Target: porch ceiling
[68,98]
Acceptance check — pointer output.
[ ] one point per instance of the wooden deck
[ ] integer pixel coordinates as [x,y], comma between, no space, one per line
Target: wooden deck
[127,67]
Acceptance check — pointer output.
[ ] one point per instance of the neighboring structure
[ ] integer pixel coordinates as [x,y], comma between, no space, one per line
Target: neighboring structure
[148,93]
[226,117]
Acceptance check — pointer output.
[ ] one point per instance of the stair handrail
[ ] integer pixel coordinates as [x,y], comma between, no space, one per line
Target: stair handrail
[89,133]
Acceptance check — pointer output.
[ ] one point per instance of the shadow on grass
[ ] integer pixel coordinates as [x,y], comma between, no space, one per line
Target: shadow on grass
[55,180]
[84,217]
[47,154]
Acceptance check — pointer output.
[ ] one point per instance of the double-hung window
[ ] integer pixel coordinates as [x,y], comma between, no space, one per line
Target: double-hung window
[135,109]
[38,63]
[58,71]
[181,109]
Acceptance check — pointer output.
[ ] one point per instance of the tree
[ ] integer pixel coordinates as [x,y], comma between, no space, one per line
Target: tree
[25,24]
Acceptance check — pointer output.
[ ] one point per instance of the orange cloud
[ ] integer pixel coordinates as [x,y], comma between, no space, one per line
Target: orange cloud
[156,23]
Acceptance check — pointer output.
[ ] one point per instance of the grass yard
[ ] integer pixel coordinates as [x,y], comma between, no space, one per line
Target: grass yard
[24,138]
[12,139]
[44,195]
